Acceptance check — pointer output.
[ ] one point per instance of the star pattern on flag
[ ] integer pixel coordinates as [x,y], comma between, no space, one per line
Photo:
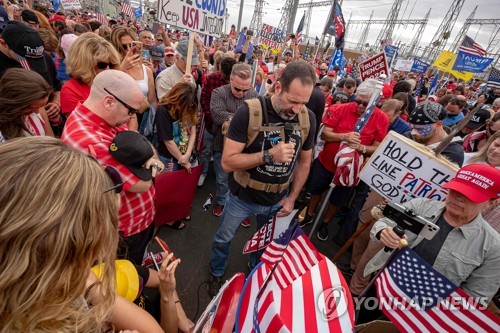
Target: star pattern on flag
[494,78]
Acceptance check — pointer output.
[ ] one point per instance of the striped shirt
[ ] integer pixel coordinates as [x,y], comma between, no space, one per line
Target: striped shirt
[223,105]
[84,129]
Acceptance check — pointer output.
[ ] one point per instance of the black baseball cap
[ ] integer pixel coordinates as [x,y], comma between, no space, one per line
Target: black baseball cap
[478,119]
[157,53]
[132,150]
[26,43]
[29,16]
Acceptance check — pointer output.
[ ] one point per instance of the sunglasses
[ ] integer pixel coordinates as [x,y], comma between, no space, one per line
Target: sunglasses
[104,65]
[323,69]
[342,98]
[347,86]
[126,46]
[131,110]
[361,102]
[241,90]
[116,179]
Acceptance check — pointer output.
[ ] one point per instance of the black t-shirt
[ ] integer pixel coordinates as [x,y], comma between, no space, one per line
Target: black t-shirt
[275,173]
[170,129]
[317,105]
[429,249]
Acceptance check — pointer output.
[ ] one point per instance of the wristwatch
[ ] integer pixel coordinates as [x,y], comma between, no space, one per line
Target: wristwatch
[267,158]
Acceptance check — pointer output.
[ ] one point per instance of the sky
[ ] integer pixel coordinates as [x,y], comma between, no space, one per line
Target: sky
[361,9]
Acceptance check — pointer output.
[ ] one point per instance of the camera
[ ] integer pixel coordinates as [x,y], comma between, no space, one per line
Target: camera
[408,220]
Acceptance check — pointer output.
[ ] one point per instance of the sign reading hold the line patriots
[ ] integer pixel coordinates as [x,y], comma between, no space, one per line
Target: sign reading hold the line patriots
[469,62]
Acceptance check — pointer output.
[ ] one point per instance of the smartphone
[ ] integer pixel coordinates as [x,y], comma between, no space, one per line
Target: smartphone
[146,55]
[136,47]
[155,28]
[164,247]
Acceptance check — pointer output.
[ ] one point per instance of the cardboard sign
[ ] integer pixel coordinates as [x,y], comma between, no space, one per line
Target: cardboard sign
[71,4]
[401,169]
[268,232]
[374,67]
[404,65]
[200,16]
[270,36]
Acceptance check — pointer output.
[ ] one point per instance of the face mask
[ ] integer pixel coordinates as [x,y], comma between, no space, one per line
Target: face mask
[423,131]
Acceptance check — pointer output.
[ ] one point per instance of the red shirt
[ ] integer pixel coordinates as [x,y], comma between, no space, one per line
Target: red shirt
[73,93]
[83,129]
[342,118]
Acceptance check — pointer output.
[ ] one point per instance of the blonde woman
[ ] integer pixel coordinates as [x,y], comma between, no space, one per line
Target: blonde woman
[53,229]
[89,55]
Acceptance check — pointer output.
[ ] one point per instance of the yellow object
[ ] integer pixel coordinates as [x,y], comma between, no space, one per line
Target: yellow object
[445,63]
[127,278]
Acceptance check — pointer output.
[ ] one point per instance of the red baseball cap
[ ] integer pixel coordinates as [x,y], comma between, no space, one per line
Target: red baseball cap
[478,182]
[387,91]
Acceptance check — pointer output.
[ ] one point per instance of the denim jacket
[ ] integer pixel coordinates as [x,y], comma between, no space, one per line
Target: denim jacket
[469,257]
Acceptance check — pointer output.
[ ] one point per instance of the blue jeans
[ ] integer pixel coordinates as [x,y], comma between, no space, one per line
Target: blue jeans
[234,213]
[220,179]
[208,144]
[167,161]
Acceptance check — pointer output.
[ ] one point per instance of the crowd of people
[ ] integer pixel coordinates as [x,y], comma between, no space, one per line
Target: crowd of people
[113,105]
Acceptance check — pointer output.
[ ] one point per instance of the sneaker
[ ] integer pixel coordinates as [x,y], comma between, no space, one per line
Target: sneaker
[217,211]
[214,285]
[245,223]
[323,232]
[201,181]
[159,257]
[308,219]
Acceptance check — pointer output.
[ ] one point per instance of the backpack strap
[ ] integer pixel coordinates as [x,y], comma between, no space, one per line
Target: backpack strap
[304,125]
[254,120]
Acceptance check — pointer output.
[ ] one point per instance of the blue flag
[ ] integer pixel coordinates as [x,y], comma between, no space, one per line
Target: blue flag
[434,85]
[242,38]
[56,4]
[418,91]
[419,66]
[391,51]
[138,12]
[469,62]
[337,59]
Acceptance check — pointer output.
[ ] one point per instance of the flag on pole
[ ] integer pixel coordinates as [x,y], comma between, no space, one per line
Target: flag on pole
[100,16]
[494,78]
[434,85]
[295,289]
[335,25]
[126,9]
[307,52]
[298,34]
[417,298]
[470,46]
[418,91]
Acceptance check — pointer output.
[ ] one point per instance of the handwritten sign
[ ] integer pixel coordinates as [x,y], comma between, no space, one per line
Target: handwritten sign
[373,67]
[196,15]
[71,4]
[401,169]
[404,65]
[270,36]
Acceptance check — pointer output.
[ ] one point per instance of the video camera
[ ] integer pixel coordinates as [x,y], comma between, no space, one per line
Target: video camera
[406,219]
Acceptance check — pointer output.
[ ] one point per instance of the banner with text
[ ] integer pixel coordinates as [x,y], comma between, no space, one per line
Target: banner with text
[391,51]
[200,16]
[445,61]
[468,62]
[71,4]
[401,169]
[419,66]
[404,65]
[374,67]
[270,36]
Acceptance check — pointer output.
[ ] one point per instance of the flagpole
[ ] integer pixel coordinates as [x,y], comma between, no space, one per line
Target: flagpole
[380,271]
[319,46]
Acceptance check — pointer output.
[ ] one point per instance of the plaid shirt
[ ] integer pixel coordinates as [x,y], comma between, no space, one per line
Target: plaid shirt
[213,82]
[84,129]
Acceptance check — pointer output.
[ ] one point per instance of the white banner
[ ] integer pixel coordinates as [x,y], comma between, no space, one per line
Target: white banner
[205,17]
[71,4]
[404,65]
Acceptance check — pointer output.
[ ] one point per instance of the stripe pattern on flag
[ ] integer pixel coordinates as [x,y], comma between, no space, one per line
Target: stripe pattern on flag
[494,78]
[418,298]
[469,45]
[126,9]
[298,34]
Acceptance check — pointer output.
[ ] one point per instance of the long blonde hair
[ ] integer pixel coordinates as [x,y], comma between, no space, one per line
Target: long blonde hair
[482,155]
[55,223]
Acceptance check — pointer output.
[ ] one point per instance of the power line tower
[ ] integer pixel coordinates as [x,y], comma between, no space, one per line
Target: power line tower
[307,20]
[444,31]
[288,13]
[463,31]
[415,42]
[256,22]
[388,27]
[364,34]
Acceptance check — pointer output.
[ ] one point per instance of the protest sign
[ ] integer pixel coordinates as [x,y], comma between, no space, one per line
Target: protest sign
[404,65]
[419,66]
[391,51]
[71,4]
[401,169]
[270,36]
[472,63]
[200,16]
[373,67]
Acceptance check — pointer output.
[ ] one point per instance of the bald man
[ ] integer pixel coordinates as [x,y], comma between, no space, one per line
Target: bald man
[114,98]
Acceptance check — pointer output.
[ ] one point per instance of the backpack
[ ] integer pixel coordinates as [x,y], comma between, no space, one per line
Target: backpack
[255,122]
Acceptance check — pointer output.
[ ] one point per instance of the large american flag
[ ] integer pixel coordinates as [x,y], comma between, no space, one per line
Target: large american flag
[470,46]
[298,34]
[126,9]
[291,290]
[100,16]
[417,298]
[494,78]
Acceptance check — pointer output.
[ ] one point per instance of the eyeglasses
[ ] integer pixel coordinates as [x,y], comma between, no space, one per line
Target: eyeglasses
[348,86]
[116,179]
[323,69]
[130,109]
[361,102]
[104,65]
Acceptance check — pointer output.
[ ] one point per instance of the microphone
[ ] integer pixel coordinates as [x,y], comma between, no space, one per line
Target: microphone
[398,231]
[288,131]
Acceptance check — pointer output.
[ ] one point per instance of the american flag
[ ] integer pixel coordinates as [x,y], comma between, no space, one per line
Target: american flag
[126,9]
[298,34]
[417,298]
[494,78]
[100,16]
[288,291]
[470,46]
[418,91]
